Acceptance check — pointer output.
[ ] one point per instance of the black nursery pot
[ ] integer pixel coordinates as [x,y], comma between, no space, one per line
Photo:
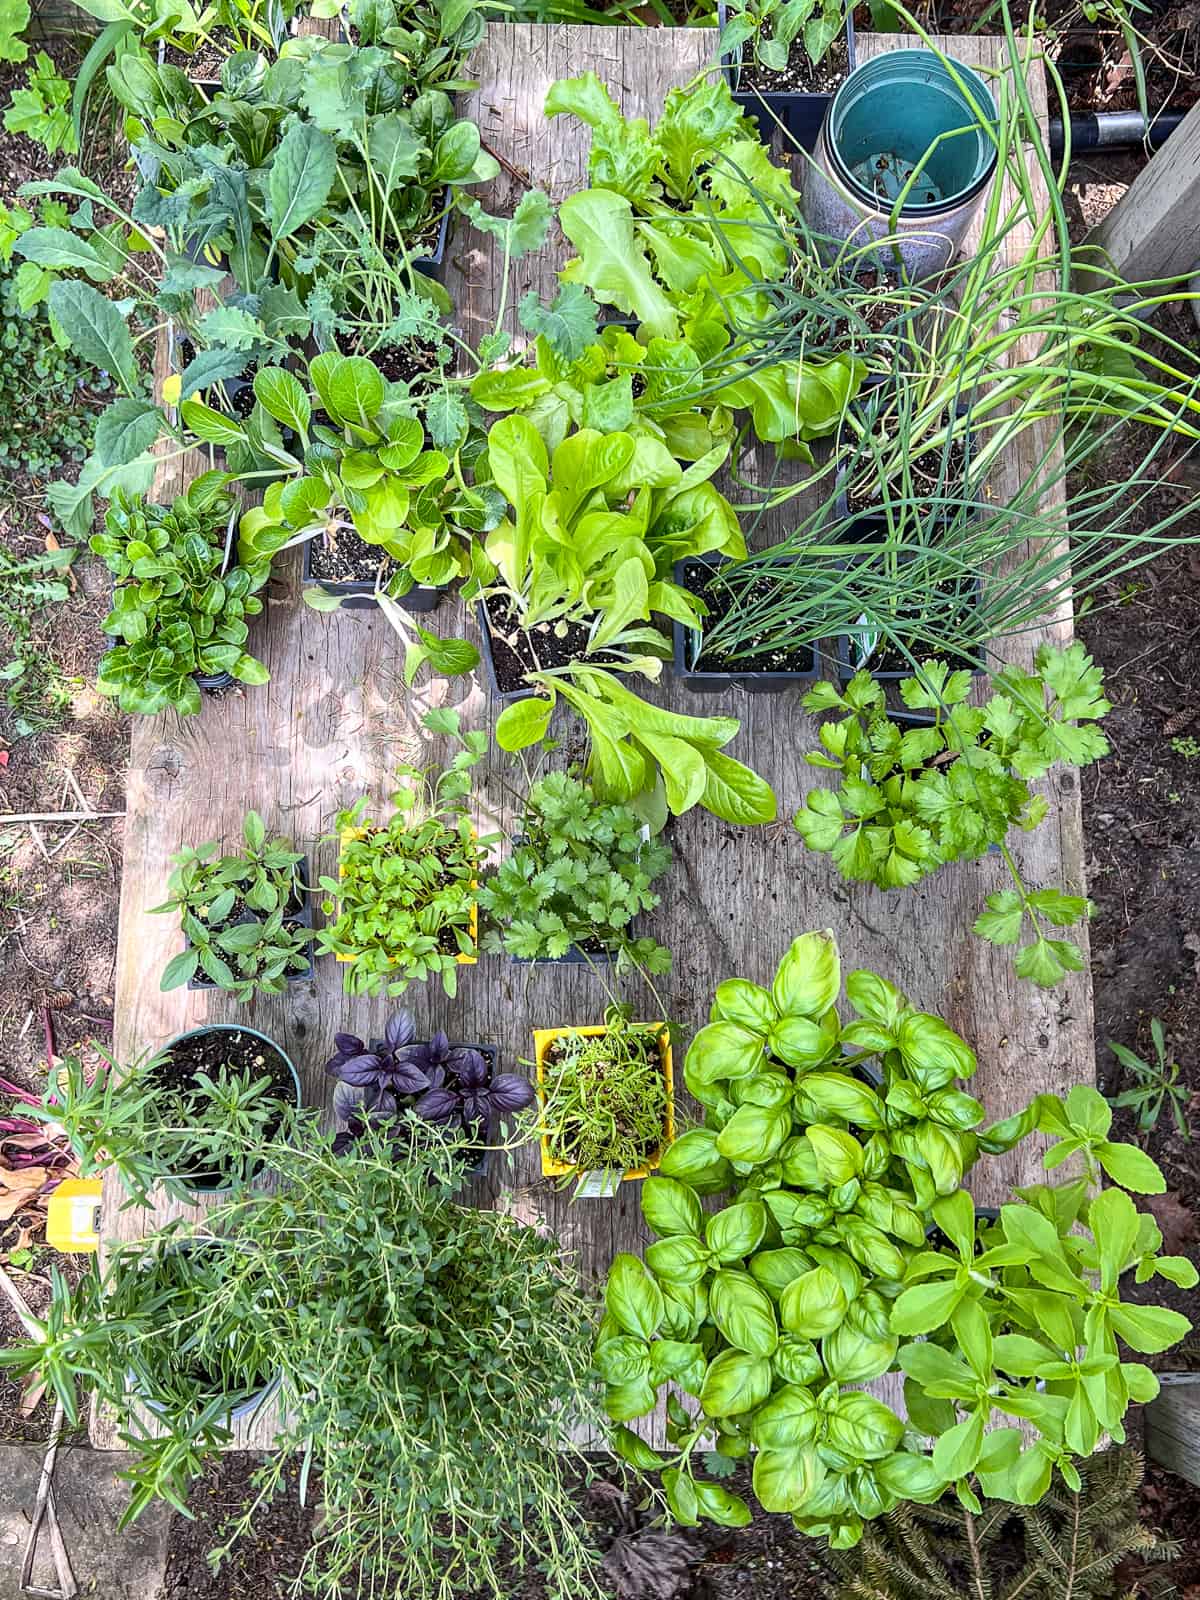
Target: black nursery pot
[699,680]
[800,111]
[574,957]
[432,263]
[850,661]
[360,596]
[489,660]
[303,916]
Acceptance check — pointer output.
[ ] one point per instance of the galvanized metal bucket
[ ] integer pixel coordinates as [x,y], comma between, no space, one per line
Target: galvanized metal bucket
[911,127]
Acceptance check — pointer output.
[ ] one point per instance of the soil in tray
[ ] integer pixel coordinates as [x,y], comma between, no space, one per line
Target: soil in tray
[236,1052]
[936,472]
[800,76]
[706,585]
[239,403]
[349,560]
[203,65]
[959,622]
[398,363]
[515,652]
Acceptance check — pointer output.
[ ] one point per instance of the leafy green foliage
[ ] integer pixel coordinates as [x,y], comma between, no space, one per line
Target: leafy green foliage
[605,1102]
[1066,1548]
[774,26]
[681,228]
[403,1325]
[42,109]
[47,392]
[150,1130]
[238,914]
[29,587]
[844,1145]
[14,19]
[178,606]
[579,872]
[404,904]
[1155,1084]
[362,469]
[911,800]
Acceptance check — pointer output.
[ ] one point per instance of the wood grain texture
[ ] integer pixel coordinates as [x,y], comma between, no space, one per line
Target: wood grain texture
[335,719]
[1173,1425]
[1153,231]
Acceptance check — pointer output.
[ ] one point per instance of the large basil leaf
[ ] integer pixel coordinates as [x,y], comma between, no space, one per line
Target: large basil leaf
[789,1420]
[748,1004]
[863,1427]
[624,1401]
[823,1096]
[719,1505]
[678,1261]
[809,978]
[743,1312]
[784,1480]
[737,1231]
[813,1305]
[734,1383]
[723,1050]
[796,1360]
[694,1158]
[633,1298]
[755,1133]
[775,1269]
[623,1359]
[670,1207]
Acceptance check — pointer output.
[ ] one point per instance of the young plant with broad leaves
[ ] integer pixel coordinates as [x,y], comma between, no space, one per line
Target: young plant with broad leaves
[849,1248]
[911,798]
[682,228]
[239,914]
[179,605]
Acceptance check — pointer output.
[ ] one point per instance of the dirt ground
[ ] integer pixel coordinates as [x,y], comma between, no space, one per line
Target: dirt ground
[58,916]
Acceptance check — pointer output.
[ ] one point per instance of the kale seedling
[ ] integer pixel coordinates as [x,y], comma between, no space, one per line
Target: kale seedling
[579,872]
[234,913]
[911,800]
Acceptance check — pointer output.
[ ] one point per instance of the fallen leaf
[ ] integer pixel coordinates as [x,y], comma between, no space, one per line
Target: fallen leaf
[3,758]
[1117,74]
[53,544]
[19,1189]
[1175,1220]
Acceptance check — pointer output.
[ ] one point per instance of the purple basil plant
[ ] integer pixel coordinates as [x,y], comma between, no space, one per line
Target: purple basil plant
[451,1085]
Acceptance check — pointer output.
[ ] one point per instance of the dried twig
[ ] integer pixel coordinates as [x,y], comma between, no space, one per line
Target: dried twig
[56,816]
[44,1510]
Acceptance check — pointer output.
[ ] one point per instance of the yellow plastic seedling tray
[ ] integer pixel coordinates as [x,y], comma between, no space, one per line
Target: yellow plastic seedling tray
[542,1040]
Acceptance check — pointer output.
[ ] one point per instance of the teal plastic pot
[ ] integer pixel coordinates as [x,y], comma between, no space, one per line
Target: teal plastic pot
[233,1027]
[899,115]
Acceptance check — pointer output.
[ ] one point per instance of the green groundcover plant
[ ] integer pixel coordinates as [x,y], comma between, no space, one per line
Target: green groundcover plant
[578,874]
[238,914]
[179,606]
[912,798]
[433,1362]
[403,907]
[849,1248]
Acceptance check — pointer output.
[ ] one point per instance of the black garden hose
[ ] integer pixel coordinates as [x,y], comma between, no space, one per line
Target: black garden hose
[1114,130]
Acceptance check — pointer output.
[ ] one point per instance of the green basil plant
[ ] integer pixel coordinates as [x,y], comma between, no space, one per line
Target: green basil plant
[848,1249]
[683,228]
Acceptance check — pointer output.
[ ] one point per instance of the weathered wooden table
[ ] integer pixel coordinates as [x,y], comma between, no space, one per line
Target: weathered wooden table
[335,720]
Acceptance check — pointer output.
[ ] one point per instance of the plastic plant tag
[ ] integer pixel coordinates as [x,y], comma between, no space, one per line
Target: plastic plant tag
[601,1185]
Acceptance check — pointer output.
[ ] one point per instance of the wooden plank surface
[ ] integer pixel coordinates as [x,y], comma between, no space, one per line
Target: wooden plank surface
[335,721]
[1153,231]
[1173,1425]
